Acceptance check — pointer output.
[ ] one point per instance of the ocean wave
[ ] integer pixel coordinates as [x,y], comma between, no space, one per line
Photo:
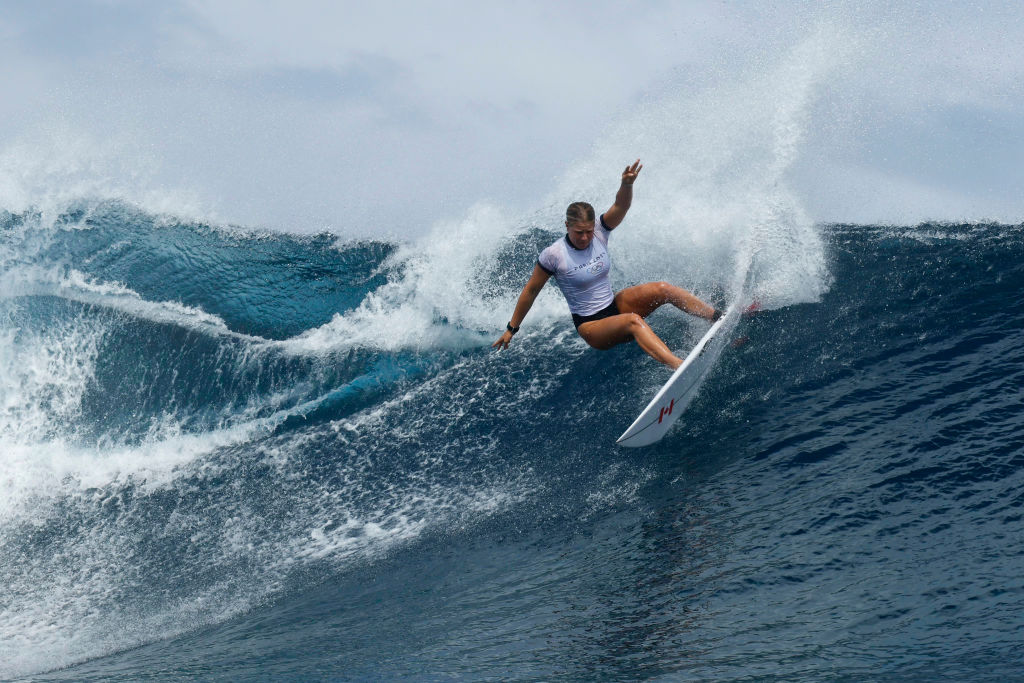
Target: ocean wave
[239,415]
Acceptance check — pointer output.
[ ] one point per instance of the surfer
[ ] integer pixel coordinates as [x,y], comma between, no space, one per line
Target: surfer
[580,263]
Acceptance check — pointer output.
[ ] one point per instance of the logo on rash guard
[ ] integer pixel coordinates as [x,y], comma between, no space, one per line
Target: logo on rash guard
[594,265]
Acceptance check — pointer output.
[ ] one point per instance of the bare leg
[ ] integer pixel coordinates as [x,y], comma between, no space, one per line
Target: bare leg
[608,332]
[645,299]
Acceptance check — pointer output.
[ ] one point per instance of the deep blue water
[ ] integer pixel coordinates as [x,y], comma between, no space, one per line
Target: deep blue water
[236,455]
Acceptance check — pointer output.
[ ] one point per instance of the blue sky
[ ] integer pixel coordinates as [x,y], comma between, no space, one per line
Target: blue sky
[382,118]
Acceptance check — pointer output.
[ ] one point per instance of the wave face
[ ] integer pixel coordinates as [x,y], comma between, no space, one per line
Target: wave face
[233,454]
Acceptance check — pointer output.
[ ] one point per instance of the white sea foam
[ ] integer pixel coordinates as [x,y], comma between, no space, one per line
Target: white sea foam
[73,285]
[78,603]
[43,377]
[438,295]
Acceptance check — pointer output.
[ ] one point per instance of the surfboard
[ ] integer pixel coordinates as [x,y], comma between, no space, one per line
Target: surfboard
[673,398]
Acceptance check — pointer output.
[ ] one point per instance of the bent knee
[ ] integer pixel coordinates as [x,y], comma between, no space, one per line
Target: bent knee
[661,292]
[635,322]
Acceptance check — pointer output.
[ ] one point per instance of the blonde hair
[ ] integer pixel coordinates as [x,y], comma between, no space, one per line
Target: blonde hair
[579,212]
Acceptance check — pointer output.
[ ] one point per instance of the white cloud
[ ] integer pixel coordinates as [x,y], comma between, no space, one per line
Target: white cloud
[381,118]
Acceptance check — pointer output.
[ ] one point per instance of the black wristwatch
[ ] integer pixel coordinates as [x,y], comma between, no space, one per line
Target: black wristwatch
[509,327]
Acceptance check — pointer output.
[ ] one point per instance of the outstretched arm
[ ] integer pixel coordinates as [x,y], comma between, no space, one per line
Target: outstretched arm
[526,298]
[624,197]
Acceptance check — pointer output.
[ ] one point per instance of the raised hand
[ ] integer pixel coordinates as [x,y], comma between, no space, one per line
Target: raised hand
[631,172]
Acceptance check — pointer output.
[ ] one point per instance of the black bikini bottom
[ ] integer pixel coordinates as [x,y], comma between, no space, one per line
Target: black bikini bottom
[606,312]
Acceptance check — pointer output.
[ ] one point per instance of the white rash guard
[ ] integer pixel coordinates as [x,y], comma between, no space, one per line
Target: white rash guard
[581,274]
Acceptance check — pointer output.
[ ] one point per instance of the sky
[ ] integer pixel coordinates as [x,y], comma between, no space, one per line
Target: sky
[383,118]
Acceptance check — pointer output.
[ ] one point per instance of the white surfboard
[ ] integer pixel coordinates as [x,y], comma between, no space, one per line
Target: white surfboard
[669,403]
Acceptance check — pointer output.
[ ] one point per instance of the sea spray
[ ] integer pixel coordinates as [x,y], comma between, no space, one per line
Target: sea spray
[713,198]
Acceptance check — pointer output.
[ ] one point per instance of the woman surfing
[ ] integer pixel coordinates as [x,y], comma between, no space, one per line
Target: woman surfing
[580,264]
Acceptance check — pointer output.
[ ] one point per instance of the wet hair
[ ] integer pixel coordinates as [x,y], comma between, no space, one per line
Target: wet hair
[579,212]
